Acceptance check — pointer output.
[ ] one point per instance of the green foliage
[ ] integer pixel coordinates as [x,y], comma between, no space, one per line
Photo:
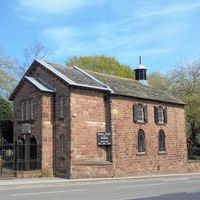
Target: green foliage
[7,79]
[159,81]
[5,110]
[6,116]
[184,83]
[101,64]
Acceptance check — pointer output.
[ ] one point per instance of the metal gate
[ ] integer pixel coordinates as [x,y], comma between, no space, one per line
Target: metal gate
[7,160]
[19,157]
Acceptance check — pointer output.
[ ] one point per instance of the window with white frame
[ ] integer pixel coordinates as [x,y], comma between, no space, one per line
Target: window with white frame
[160,114]
[140,113]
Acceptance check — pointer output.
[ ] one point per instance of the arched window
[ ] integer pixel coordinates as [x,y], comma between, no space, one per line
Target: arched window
[141,141]
[33,148]
[161,136]
[160,114]
[140,113]
[20,148]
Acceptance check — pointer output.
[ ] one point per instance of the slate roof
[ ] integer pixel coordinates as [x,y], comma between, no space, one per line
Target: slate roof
[133,88]
[118,85]
[75,76]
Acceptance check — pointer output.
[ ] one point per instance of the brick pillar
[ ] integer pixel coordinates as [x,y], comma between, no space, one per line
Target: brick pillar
[47,135]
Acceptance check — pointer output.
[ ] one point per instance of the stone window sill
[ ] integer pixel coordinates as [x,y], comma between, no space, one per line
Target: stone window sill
[162,153]
[161,123]
[140,122]
[141,153]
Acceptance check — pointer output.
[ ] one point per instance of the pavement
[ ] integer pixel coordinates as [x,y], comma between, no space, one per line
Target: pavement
[47,181]
[159,187]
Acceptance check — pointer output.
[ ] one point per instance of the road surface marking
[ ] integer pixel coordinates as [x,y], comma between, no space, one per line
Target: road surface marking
[192,181]
[141,185]
[139,197]
[174,180]
[50,192]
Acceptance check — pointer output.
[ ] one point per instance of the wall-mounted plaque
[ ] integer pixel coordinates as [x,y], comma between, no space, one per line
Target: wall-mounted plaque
[26,128]
[104,138]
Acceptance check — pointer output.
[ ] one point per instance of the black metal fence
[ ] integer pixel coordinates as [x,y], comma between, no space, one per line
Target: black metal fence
[194,152]
[19,157]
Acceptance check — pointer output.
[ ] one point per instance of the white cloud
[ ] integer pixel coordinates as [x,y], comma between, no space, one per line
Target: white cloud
[60,34]
[71,41]
[166,10]
[134,34]
[52,6]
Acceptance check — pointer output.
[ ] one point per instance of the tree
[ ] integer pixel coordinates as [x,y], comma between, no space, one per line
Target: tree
[36,50]
[7,79]
[102,64]
[159,81]
[6,116]
[184,83]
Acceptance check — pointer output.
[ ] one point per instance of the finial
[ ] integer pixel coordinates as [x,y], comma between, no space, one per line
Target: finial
[140,60]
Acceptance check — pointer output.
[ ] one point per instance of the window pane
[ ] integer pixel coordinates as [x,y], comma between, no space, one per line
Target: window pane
[31,109]
[160,115]
[22,110]
[27,110]
[141,141]
[140,113]
[62,104]
[162,141]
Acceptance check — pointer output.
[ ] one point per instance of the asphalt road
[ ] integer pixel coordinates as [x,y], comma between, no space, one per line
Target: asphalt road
[172,188]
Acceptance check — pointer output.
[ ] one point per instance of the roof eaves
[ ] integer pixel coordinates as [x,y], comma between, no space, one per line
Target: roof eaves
[92,87]
[150,99]
[37,84]
[93,78]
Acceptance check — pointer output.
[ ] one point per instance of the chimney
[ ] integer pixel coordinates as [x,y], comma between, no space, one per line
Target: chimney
[141,73]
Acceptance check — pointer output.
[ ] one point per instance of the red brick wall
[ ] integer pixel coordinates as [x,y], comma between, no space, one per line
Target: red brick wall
[47,134]
[87,118]
[61,126]
[127,161]
[28,91]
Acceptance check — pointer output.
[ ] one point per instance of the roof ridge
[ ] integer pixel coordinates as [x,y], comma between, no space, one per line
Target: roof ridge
[90,76]
[114,76]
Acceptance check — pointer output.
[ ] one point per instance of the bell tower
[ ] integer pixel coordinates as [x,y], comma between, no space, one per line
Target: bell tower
[141,72]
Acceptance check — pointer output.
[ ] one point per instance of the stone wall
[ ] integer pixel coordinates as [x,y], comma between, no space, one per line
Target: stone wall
[47,120]
[127,161]
[88,117]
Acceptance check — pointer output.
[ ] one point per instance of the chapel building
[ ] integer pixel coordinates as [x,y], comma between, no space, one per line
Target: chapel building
[76,124]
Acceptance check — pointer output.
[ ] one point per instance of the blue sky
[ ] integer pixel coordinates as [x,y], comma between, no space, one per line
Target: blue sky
[162,32]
